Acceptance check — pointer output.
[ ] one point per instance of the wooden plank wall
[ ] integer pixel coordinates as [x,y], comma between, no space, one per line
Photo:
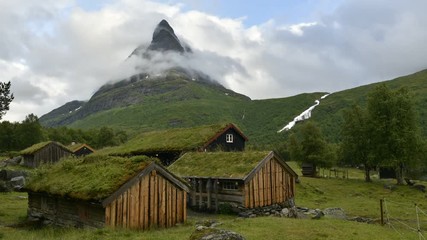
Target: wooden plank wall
[272,184]
[48,154]
[152,202]
[65,212]
[206,194]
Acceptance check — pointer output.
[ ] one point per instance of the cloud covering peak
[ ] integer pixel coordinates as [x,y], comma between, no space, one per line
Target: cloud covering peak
[56,51]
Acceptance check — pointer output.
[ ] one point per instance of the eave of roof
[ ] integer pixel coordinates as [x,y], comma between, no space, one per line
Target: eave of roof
[38,146]
[82,146]
[229,126]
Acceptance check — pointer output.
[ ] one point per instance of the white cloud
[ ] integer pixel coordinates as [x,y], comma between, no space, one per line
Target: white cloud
[298,29]
[55,51]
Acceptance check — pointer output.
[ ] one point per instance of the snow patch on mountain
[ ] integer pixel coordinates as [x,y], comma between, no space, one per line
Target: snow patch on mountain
[303,116]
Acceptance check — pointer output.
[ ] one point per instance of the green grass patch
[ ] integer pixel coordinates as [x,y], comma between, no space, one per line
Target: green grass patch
[217,164]
[178,139]
[356,197]
[92,177]
[252,229]
[13,207]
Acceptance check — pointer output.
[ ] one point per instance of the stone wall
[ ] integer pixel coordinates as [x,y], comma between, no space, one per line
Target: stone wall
[58,211]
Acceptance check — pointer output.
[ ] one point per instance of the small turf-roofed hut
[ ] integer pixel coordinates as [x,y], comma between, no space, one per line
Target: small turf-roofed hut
[98,191]
[250,179]
[168,145]
[81,149]
[44,152]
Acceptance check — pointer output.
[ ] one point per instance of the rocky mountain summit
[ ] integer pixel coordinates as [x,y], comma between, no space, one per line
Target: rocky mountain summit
[164,39]
[142,86]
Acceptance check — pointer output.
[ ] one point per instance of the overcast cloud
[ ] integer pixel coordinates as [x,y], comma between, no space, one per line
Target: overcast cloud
[55,52]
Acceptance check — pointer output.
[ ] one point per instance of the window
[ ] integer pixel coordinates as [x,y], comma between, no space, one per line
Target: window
[229,138]
[230,185]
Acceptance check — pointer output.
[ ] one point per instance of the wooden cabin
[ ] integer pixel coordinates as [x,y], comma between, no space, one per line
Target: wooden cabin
[105,191]
[169,145]
[249,179]
[308,170]
[81,149]
[44,152]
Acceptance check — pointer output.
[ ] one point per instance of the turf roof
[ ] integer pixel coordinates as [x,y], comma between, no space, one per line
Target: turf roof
[177,139]
[36,147]
[236,165]
[92,177]
[78,146]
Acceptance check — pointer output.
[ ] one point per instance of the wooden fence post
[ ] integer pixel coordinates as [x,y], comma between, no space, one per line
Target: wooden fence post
[216,186]
[208,190]
[193,192]
[382,212]
[200,194]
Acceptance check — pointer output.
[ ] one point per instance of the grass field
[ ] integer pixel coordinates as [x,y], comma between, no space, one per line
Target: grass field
[356,197]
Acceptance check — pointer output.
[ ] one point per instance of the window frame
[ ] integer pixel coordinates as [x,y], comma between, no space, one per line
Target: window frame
[230,186]
[229,138]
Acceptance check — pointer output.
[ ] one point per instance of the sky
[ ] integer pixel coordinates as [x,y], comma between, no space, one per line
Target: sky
[56,51]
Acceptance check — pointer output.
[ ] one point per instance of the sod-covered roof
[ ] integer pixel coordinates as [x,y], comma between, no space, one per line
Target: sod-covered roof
[92,177]
[78,146]
[177,139]
[38,146]
[233,165]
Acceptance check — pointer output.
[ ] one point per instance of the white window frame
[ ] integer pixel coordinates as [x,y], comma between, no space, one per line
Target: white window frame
[229,138]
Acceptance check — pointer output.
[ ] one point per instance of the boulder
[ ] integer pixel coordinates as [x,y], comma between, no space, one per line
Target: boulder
[7,175]
[215,234]
[17,183]
[13,161]
[284,212]
[361,219]
[206,230]
[317,214]
[293,212]
[337,213]
[209,223]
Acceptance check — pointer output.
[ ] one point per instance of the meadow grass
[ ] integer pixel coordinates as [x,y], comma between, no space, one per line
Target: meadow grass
[353,195]
[13,208]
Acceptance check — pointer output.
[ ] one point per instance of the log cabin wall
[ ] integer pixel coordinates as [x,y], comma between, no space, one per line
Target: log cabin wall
[207,194]
[65,212]
[271,184]
[153,201]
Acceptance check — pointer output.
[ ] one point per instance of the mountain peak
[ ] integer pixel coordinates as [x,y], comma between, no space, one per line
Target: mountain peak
[164,39]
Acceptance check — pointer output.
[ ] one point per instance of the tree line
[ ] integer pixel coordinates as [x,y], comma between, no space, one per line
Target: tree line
[384,133]
[17,136]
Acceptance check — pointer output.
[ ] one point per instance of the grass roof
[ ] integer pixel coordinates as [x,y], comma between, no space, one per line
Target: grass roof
[92,177]
[36,147]
[78,146]
[217,164]
[177,139]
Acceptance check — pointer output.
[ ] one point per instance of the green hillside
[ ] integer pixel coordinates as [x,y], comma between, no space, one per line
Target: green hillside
[259,119]
[329,113]
[177,101]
